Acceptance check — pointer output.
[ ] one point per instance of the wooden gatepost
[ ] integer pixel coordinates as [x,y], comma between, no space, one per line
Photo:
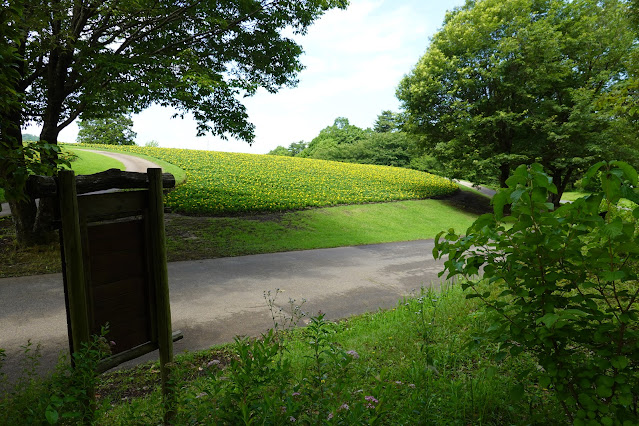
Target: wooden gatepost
[114,263]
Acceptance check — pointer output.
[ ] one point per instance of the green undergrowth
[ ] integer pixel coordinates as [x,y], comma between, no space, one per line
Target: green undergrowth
[423,362]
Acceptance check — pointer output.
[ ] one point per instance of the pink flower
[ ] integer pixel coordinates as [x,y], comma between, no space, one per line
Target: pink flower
[353,353]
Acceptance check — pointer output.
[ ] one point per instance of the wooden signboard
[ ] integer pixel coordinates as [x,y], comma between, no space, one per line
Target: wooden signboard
[114,263]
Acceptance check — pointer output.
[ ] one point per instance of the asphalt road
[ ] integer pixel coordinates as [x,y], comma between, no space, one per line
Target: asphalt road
[214,300]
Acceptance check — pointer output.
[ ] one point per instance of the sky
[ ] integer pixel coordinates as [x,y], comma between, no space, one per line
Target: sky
[354,59]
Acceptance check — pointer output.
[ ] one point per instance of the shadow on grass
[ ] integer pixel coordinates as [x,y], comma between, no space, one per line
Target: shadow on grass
[469,202]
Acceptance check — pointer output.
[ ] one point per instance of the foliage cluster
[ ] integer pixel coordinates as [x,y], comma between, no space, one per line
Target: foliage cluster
[384,145]
[67,397]
[407,365]
[26,159]
[564,286]
[505,83]
[224,183]
[113,130]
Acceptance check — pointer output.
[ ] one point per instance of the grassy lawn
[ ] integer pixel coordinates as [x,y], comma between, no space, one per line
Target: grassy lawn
[195,237]
[178,173]
[408,365]
[573,195]
[89,162]
[86,163]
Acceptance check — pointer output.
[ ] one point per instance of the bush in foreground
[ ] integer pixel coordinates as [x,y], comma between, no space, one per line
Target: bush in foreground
[563,286]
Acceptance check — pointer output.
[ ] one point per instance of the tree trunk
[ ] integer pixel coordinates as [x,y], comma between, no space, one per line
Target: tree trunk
[13,171]
[46,210]
[24,214]
[504,173]
[561,182]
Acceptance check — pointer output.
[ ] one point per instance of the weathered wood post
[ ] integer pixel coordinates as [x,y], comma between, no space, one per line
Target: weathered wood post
[160,276]
[74,262]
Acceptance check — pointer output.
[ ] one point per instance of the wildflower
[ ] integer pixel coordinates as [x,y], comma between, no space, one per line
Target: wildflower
[296,394]
[330,416]
[371,398]
[292,419]
[344,407]
[411,385]
[398,382]
[353,353]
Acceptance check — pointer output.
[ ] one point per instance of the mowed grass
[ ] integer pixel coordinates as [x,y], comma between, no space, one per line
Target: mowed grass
[202,238]
[220,183]
[178,173]
[86,163]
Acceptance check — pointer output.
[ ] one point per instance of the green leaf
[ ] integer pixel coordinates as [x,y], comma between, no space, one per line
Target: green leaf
[591,172]
[516,195]
[609,276]
[549,319]
[491,372]
[604,391]
[499,201]
[51,415]
[613,229]
[517,392]
[629,171]
[620,362]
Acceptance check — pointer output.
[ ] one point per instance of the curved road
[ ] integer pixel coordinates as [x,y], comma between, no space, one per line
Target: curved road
[131,164]
[214,300]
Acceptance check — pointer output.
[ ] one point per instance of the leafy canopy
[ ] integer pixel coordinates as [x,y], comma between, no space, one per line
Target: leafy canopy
[115,130]
[514,82]
[95,58]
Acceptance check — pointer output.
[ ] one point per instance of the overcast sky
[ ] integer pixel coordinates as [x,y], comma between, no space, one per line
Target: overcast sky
[354,61]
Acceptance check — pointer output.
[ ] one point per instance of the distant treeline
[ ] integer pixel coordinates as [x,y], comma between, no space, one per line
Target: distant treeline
[385,144]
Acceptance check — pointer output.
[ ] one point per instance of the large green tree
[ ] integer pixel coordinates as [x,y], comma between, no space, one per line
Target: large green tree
[518,81]
[66,59]
[338,136]
[114,130]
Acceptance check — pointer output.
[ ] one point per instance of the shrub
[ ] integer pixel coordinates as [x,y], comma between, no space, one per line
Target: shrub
[563,284]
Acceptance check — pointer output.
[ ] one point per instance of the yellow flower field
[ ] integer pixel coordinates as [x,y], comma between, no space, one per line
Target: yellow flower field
[219,183]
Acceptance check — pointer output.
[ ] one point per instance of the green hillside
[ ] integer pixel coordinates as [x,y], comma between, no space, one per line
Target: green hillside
[220,183]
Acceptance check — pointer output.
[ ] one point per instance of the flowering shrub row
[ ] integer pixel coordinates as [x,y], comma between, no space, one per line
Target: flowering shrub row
[219,183]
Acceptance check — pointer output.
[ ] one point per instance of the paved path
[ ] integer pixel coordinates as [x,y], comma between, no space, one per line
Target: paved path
[481,189]
[214,300]
[131,164]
